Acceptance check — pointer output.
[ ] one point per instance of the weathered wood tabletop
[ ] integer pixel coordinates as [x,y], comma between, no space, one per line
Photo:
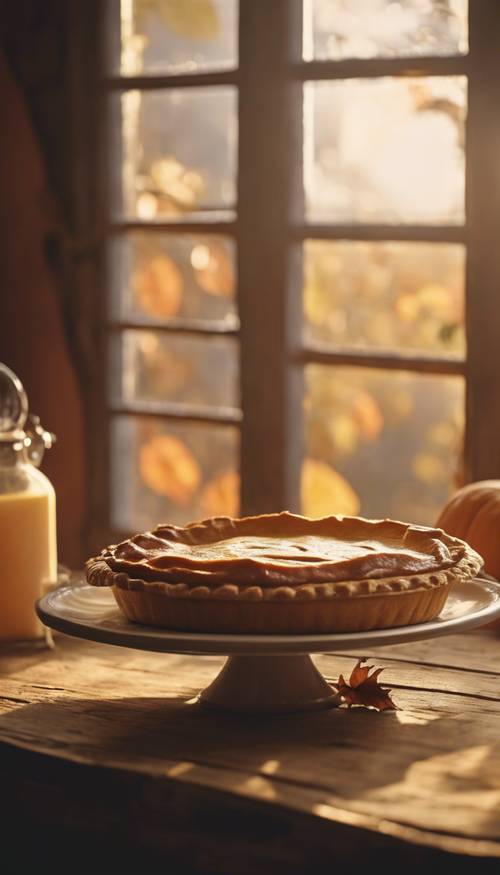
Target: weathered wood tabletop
[105,750]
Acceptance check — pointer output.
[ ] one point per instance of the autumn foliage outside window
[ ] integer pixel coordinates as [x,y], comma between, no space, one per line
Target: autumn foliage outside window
[376,246]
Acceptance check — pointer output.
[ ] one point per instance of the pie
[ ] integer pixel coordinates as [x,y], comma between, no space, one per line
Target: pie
[285,574]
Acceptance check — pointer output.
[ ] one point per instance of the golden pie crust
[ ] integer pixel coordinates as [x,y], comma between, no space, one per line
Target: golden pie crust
[284,574]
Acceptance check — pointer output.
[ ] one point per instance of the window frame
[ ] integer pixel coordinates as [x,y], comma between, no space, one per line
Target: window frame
[268,233]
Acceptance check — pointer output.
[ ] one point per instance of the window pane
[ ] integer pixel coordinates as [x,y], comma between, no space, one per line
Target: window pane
[149,368]
[172,472]
[178,152]
[385,150]
[336,29]
[175,36]
[161,277]
[403,296]
[381,443]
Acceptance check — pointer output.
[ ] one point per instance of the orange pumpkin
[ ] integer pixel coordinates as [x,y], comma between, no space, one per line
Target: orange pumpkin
[473,514]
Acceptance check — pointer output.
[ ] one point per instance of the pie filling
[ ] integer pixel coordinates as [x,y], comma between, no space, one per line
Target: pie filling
[284,549]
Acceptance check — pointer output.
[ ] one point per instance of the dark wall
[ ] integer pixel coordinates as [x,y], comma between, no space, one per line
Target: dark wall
[42,324]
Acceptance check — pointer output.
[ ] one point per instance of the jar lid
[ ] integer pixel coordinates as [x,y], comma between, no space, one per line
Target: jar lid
[33,440]
[13,405]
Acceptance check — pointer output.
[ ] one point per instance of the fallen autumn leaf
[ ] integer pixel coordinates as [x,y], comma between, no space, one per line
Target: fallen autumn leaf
[363,688]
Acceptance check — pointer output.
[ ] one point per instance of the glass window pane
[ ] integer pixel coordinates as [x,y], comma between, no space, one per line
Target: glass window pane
[381,443]
[150,368]
[336,29]
[162,277]
[174,36]
[172,472]
[385,150]
[178,152]
[390,295]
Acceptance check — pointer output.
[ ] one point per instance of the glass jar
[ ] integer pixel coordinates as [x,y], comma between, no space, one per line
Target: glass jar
[28,545]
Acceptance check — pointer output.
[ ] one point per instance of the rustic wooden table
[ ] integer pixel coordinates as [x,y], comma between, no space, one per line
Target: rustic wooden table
[106,756]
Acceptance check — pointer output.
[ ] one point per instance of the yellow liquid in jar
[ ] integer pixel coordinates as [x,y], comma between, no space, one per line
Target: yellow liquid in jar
[28,560]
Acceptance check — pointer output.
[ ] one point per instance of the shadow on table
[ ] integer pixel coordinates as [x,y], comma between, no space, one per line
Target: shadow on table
[368,761]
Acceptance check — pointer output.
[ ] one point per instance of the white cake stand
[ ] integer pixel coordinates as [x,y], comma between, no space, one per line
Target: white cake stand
[264,673]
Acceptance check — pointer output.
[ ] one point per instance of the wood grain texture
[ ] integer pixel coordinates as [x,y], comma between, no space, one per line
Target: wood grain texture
[123,728]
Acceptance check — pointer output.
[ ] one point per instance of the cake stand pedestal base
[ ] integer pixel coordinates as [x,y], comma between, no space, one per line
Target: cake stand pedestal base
[269,684]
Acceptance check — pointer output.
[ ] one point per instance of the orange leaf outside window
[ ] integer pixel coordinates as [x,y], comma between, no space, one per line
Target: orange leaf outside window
[169,468]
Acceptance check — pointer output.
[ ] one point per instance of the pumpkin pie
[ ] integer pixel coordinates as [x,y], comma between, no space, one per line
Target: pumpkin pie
[285,574]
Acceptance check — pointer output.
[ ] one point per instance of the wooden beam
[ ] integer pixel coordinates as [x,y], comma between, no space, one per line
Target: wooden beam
[207,222]
[182,412]
[405,233]
[371,68]
[482,446]
[175,80]
[269,155]
[361,358]
[87,142]
[301,230]
[194,327]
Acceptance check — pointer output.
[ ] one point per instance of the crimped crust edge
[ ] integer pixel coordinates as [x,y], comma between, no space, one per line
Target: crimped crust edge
[99,573]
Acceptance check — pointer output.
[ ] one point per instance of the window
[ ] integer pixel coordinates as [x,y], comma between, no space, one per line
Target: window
[303,216]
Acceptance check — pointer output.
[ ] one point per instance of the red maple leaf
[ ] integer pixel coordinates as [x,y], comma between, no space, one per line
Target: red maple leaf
[364,689]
